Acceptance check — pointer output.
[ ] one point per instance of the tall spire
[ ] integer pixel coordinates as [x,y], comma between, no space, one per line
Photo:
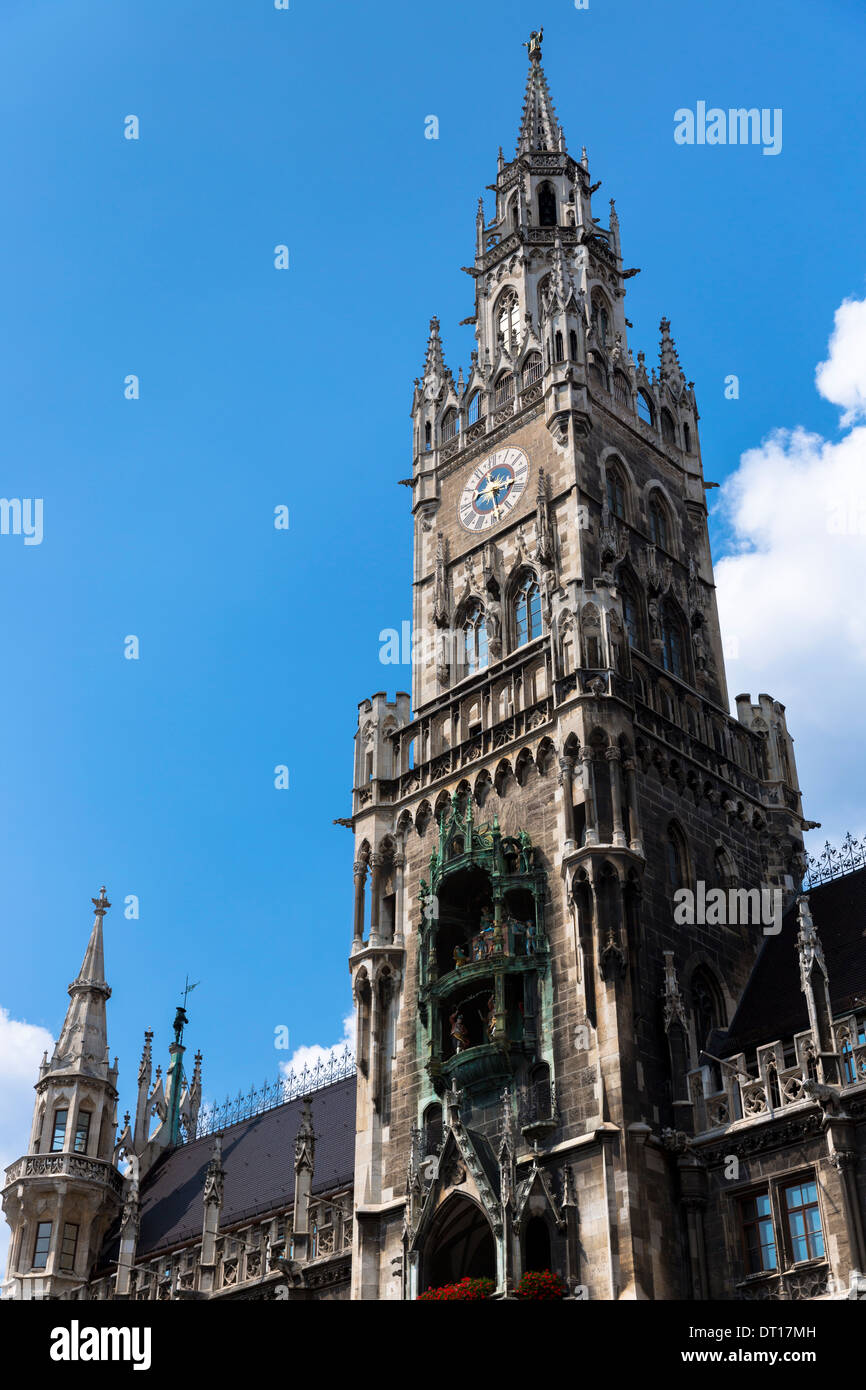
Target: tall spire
[83,1042]
[539,128]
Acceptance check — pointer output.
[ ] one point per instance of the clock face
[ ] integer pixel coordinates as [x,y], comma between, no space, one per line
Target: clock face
[493,490]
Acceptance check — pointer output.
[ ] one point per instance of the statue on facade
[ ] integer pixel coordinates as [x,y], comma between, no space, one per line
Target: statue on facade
[459,1032]
[489,1019]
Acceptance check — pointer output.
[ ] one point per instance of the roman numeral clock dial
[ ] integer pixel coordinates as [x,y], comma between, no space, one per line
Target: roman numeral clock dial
[493,490]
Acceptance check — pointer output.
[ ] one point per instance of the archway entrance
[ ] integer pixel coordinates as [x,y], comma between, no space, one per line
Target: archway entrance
[460,1243]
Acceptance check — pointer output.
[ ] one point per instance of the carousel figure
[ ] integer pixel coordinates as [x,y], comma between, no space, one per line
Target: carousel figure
[459,1032]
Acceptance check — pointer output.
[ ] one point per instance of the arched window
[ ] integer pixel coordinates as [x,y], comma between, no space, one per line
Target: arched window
[432,1123]
[676,858]
[708,1010]
[559,349]
[508,319]
[658,525]
[687,438]
[512,213]
[428,435]
[537,1245]
[474,640]
[673,647]
[546,205]
[598,376]
[645,408]
[726,873]
[669,433]
[527,611]
[504,389]
[600,318]
[616,492]
[474,410]
[450,425]
[532,369]
[621,393]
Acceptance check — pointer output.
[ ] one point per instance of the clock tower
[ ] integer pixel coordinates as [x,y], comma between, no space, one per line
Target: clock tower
[528,1006]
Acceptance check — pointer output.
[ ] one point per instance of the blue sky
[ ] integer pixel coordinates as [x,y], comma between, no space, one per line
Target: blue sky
[259,387]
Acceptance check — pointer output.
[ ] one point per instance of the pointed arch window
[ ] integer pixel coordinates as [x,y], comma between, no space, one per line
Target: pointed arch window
[546,205]
[572,345]
[428,435]
[676,858]
[616,492]
[527,611]
[508,319]
[450,425]
[558,347]
[707,1009]
[531,369]
[504,389]
[687,438]
[659,525]
[673,647]
[474,410]
[669,433]
[600,318]
[645,408]
[621,392]
[475,649]
[631,615]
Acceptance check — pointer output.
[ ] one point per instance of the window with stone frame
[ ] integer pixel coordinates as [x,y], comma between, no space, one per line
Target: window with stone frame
[82,1131]
[757,1234]
[527,611]
[658,520]
[68,1246]
[41,1245]
[804,1233]
[673,643]
[58,1137]
[616,491]
[547,208]
[781,1225]
[475,652]
[508,319]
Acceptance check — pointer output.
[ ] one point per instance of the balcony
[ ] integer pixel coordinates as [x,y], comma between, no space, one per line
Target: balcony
[65,1165]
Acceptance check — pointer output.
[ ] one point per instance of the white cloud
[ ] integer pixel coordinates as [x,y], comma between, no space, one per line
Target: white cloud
[791,594]
[842,378]
[21,1049]
[314,1055]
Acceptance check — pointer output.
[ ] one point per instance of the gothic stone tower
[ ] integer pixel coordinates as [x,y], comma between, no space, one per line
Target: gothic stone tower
[528,1007]
[61,1197]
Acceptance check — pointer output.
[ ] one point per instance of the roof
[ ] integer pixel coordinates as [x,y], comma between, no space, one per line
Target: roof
[258,1156]
[773,1005]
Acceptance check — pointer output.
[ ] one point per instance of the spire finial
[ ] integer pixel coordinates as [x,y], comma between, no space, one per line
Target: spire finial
[101,904]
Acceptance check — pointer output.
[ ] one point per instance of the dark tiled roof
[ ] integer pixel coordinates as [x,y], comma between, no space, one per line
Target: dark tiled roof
[258,1156]
[773,1005]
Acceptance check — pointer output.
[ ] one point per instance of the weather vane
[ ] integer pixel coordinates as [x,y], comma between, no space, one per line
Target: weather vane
[188,989]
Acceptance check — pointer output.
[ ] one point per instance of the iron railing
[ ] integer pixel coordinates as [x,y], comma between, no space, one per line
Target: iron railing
[338,1067]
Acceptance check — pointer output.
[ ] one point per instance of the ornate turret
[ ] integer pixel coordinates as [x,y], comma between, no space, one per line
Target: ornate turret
[61,1196]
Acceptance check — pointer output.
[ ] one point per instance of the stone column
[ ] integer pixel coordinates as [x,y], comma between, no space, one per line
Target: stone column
[375,904]
[360,871]
[305,1150]
[566,781]
[399,891]
[587,757]
[613,757]
[635,844]
[213,1201]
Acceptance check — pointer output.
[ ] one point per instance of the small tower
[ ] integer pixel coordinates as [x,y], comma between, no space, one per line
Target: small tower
[62,1195]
